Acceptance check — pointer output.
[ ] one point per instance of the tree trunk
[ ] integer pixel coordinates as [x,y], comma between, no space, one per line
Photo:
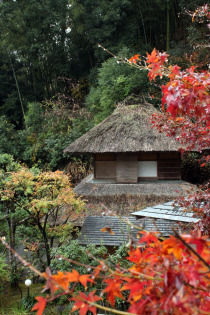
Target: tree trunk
[12,258]
[45,239]
[168,27]
[47,248]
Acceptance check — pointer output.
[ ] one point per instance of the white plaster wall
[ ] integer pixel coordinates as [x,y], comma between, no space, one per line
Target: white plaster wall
[147,169]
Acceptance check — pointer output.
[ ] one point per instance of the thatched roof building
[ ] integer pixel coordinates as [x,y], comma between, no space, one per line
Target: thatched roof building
[127,149]
[127,129]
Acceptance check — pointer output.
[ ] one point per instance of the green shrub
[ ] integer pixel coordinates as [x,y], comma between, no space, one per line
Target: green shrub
[45,136]
[77,253]
[7,163]
[84,254]
[88,256]
[27,302]
[34,117]
[8,138]
[115,82]
[4,272]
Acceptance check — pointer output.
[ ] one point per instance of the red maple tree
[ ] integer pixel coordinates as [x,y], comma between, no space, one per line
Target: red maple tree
[168,277]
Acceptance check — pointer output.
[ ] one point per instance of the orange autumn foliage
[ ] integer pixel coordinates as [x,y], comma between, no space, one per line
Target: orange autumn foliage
[164,278]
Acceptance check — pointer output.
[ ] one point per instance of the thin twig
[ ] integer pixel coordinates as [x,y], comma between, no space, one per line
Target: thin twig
[104,308]
[75,262]
[24,262]
[124,60]
[109,309]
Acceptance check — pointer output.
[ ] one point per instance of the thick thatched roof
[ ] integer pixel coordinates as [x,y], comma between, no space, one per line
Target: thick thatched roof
[127,129]
[171,188]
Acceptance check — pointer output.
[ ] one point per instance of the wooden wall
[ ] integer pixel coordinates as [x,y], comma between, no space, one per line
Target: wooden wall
[123,167]
[169,169]
[105,169]
[105,166]
[169,165]
[127,168]
[147,156]
[105,157]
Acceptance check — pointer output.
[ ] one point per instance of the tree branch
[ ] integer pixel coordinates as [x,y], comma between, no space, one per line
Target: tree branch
[192,249]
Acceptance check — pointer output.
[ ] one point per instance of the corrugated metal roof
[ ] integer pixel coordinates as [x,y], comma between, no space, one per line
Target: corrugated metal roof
[91,230]
[167,211]
[164,227]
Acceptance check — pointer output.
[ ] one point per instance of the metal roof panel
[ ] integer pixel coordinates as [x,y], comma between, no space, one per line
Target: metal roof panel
[124,228]
[167,211]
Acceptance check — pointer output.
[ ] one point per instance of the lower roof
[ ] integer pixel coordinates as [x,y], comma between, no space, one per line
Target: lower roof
[118,230]
[167,211]
[97,188]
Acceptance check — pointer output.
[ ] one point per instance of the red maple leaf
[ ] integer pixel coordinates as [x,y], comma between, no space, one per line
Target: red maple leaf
[153,58]
[113,289]
[173,246]
[83,303]
[98,269]
[107,229]
[174,71]
[40,305]
[84,279]
[155,63]
[137,308]
[135,287]
[61,280]
[134,58]
[135,255]
[148,238]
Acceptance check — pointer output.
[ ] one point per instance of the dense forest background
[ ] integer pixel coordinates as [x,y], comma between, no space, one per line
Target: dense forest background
[56,83]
